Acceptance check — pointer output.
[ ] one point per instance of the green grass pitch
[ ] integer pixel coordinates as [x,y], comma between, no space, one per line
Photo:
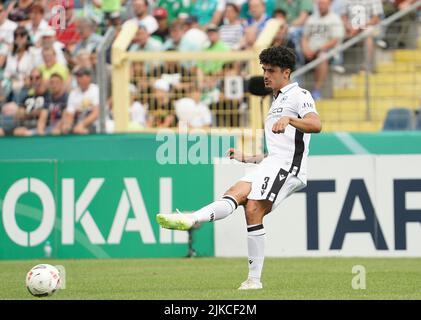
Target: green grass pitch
[218,278]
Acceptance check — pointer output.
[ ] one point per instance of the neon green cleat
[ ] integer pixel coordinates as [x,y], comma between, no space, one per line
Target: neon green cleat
[175,221]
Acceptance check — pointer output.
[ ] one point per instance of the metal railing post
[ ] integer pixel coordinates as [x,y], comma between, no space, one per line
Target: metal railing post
[102,77]
[368,67]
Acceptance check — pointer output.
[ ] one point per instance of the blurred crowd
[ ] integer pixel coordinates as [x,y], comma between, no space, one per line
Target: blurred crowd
[48,56]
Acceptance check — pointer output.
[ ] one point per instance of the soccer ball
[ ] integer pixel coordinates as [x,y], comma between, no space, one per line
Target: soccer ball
[43,280]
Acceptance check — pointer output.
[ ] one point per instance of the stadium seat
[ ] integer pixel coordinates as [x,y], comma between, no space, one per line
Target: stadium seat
[418,120]
[398,119]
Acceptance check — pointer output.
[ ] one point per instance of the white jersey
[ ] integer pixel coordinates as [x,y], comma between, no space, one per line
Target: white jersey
[290,149]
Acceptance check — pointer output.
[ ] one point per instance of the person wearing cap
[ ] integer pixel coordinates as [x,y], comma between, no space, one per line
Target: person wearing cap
[82,110]
[48,40]
[142,16]
[162,33]
[37,23]
[142,41]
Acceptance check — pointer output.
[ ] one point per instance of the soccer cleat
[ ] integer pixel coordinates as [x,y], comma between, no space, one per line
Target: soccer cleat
[175,221]
[251,284]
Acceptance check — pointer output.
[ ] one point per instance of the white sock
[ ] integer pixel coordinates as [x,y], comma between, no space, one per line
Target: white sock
[217,210]
[256,237]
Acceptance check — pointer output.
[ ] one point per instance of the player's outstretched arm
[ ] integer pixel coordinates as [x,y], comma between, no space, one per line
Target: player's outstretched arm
[310,123]
[239,156]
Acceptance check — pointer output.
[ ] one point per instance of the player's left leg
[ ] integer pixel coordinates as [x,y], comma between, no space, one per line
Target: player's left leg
[255,211]
[256,237]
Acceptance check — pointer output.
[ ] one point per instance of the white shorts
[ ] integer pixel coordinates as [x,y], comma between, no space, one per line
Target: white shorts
[271,182]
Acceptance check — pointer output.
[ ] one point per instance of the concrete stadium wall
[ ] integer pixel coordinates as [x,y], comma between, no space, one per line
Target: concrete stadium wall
[360,205]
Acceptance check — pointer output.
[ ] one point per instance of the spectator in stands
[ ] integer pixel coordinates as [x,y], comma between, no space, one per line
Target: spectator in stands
[19,62]
[215,45]
[207,11]
[82,110]
[109,8]
[258,15]
[177,30]
[191,112]
[321,33]
[397,34]
[281,38]
[194,39]
[8,119]
[18,10]
[51,117]
[141,11]
[48,40]
[138,113]
[232,30]
[245,10]
[356,21]
[51,66]
[249,38]
[143,41]
[160,106]
[37,24]
[297,13]
[161,16]
[178,76]
[69,35]
[174,8]
[89,40]
[7,27]
[30,110]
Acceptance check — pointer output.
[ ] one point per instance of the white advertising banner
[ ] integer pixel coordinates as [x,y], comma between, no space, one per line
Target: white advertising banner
[353,206]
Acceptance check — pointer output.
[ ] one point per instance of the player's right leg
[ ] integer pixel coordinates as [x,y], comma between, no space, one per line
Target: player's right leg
[217,210]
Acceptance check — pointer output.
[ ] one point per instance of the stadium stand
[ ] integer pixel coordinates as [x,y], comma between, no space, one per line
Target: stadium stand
[418,120]
[399,119]
[361,83]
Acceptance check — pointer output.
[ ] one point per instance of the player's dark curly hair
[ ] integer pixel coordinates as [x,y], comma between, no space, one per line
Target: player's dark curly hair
[282,57]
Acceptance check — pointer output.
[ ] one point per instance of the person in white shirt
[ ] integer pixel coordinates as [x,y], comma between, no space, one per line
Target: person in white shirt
[357,16]
[7,27]
[322,32]
[37,24]
[291,119]
[140,10]
[20,61]
[83,105]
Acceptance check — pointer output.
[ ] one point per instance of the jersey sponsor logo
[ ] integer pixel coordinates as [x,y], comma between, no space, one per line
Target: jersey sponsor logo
[308,105]
[277,110]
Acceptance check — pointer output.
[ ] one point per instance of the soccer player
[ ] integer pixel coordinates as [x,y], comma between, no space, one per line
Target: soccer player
[292,118]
